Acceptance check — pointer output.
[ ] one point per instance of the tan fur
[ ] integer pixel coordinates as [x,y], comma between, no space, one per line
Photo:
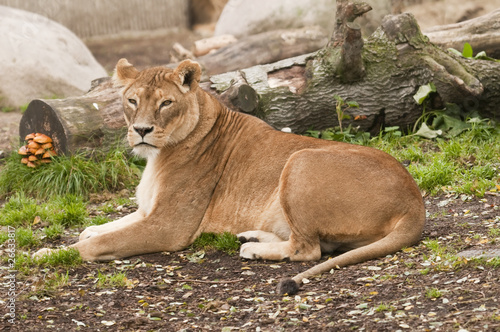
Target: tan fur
[213,170]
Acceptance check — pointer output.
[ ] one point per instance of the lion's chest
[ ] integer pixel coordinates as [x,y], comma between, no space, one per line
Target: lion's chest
[147,189]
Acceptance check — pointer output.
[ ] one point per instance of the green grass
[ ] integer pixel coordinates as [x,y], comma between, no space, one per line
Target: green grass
[465,164]
[53,283]
[115,205]
[384,307]
[69,210]
[53,231]
[4,236]
[66,257]
[494,232]
[26,238]
[21,210]
[493,262]
[444,258]
[98,220]
[78,174]
[225,242]
[7,109]
[118,279]
[27,265]
[433,293]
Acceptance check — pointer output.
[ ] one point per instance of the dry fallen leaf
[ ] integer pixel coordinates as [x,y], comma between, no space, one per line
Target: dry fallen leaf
[37,220]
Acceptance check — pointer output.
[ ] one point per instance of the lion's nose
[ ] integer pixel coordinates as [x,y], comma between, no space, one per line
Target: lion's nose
[143,131]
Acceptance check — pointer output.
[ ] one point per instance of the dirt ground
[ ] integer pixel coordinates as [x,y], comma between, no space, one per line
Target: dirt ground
[214,291]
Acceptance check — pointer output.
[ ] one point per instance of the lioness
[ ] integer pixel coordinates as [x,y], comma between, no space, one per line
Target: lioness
[286,196]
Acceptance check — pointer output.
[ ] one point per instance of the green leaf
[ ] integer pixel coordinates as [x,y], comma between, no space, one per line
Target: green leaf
[313,133]
[452,126]
[454,51]
[467,52]
[481,55]
[389,129]
[423,92]
[426,132]
[353,104]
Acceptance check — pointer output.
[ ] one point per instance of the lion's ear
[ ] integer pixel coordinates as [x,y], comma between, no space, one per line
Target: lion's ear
[124,74]
[187,75]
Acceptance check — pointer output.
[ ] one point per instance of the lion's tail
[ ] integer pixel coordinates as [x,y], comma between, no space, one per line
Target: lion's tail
[406,233]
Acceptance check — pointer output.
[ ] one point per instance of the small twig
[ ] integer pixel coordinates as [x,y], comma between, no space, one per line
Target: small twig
[211,282]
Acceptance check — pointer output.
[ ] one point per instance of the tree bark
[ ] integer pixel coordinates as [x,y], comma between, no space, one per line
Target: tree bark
[482,33]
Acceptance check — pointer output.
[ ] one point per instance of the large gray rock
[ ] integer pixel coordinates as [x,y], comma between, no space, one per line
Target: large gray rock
[243,18]
[40,59]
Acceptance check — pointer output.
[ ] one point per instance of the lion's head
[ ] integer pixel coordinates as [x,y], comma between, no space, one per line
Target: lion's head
[160,104]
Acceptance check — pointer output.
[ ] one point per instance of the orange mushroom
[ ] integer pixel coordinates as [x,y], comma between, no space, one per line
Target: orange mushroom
[42,139]
[33,145]
[47,146]
[29,137]
[49,153]
[23,150]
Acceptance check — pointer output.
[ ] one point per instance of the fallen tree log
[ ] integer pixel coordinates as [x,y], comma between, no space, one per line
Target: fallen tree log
[266,47]
[388,68]
[483,33]
[394,62]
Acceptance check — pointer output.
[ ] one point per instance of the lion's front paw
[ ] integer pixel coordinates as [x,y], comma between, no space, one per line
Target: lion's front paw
[274,251]
[258,236]
[249,250]
[88,232]
[42,252]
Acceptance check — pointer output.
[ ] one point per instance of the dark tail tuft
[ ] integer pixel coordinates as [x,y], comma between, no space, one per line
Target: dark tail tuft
[287,286]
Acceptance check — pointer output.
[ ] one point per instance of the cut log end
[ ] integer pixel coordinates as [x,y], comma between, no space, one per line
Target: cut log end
[40,117]
[247,99]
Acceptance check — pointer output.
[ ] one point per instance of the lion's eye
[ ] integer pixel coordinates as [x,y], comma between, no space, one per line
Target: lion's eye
[166,103]
[132,101]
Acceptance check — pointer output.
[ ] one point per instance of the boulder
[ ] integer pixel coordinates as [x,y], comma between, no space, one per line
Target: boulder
[244,18]
[41,59]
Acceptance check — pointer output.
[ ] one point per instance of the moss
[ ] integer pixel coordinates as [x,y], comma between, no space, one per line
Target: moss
[268,101]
